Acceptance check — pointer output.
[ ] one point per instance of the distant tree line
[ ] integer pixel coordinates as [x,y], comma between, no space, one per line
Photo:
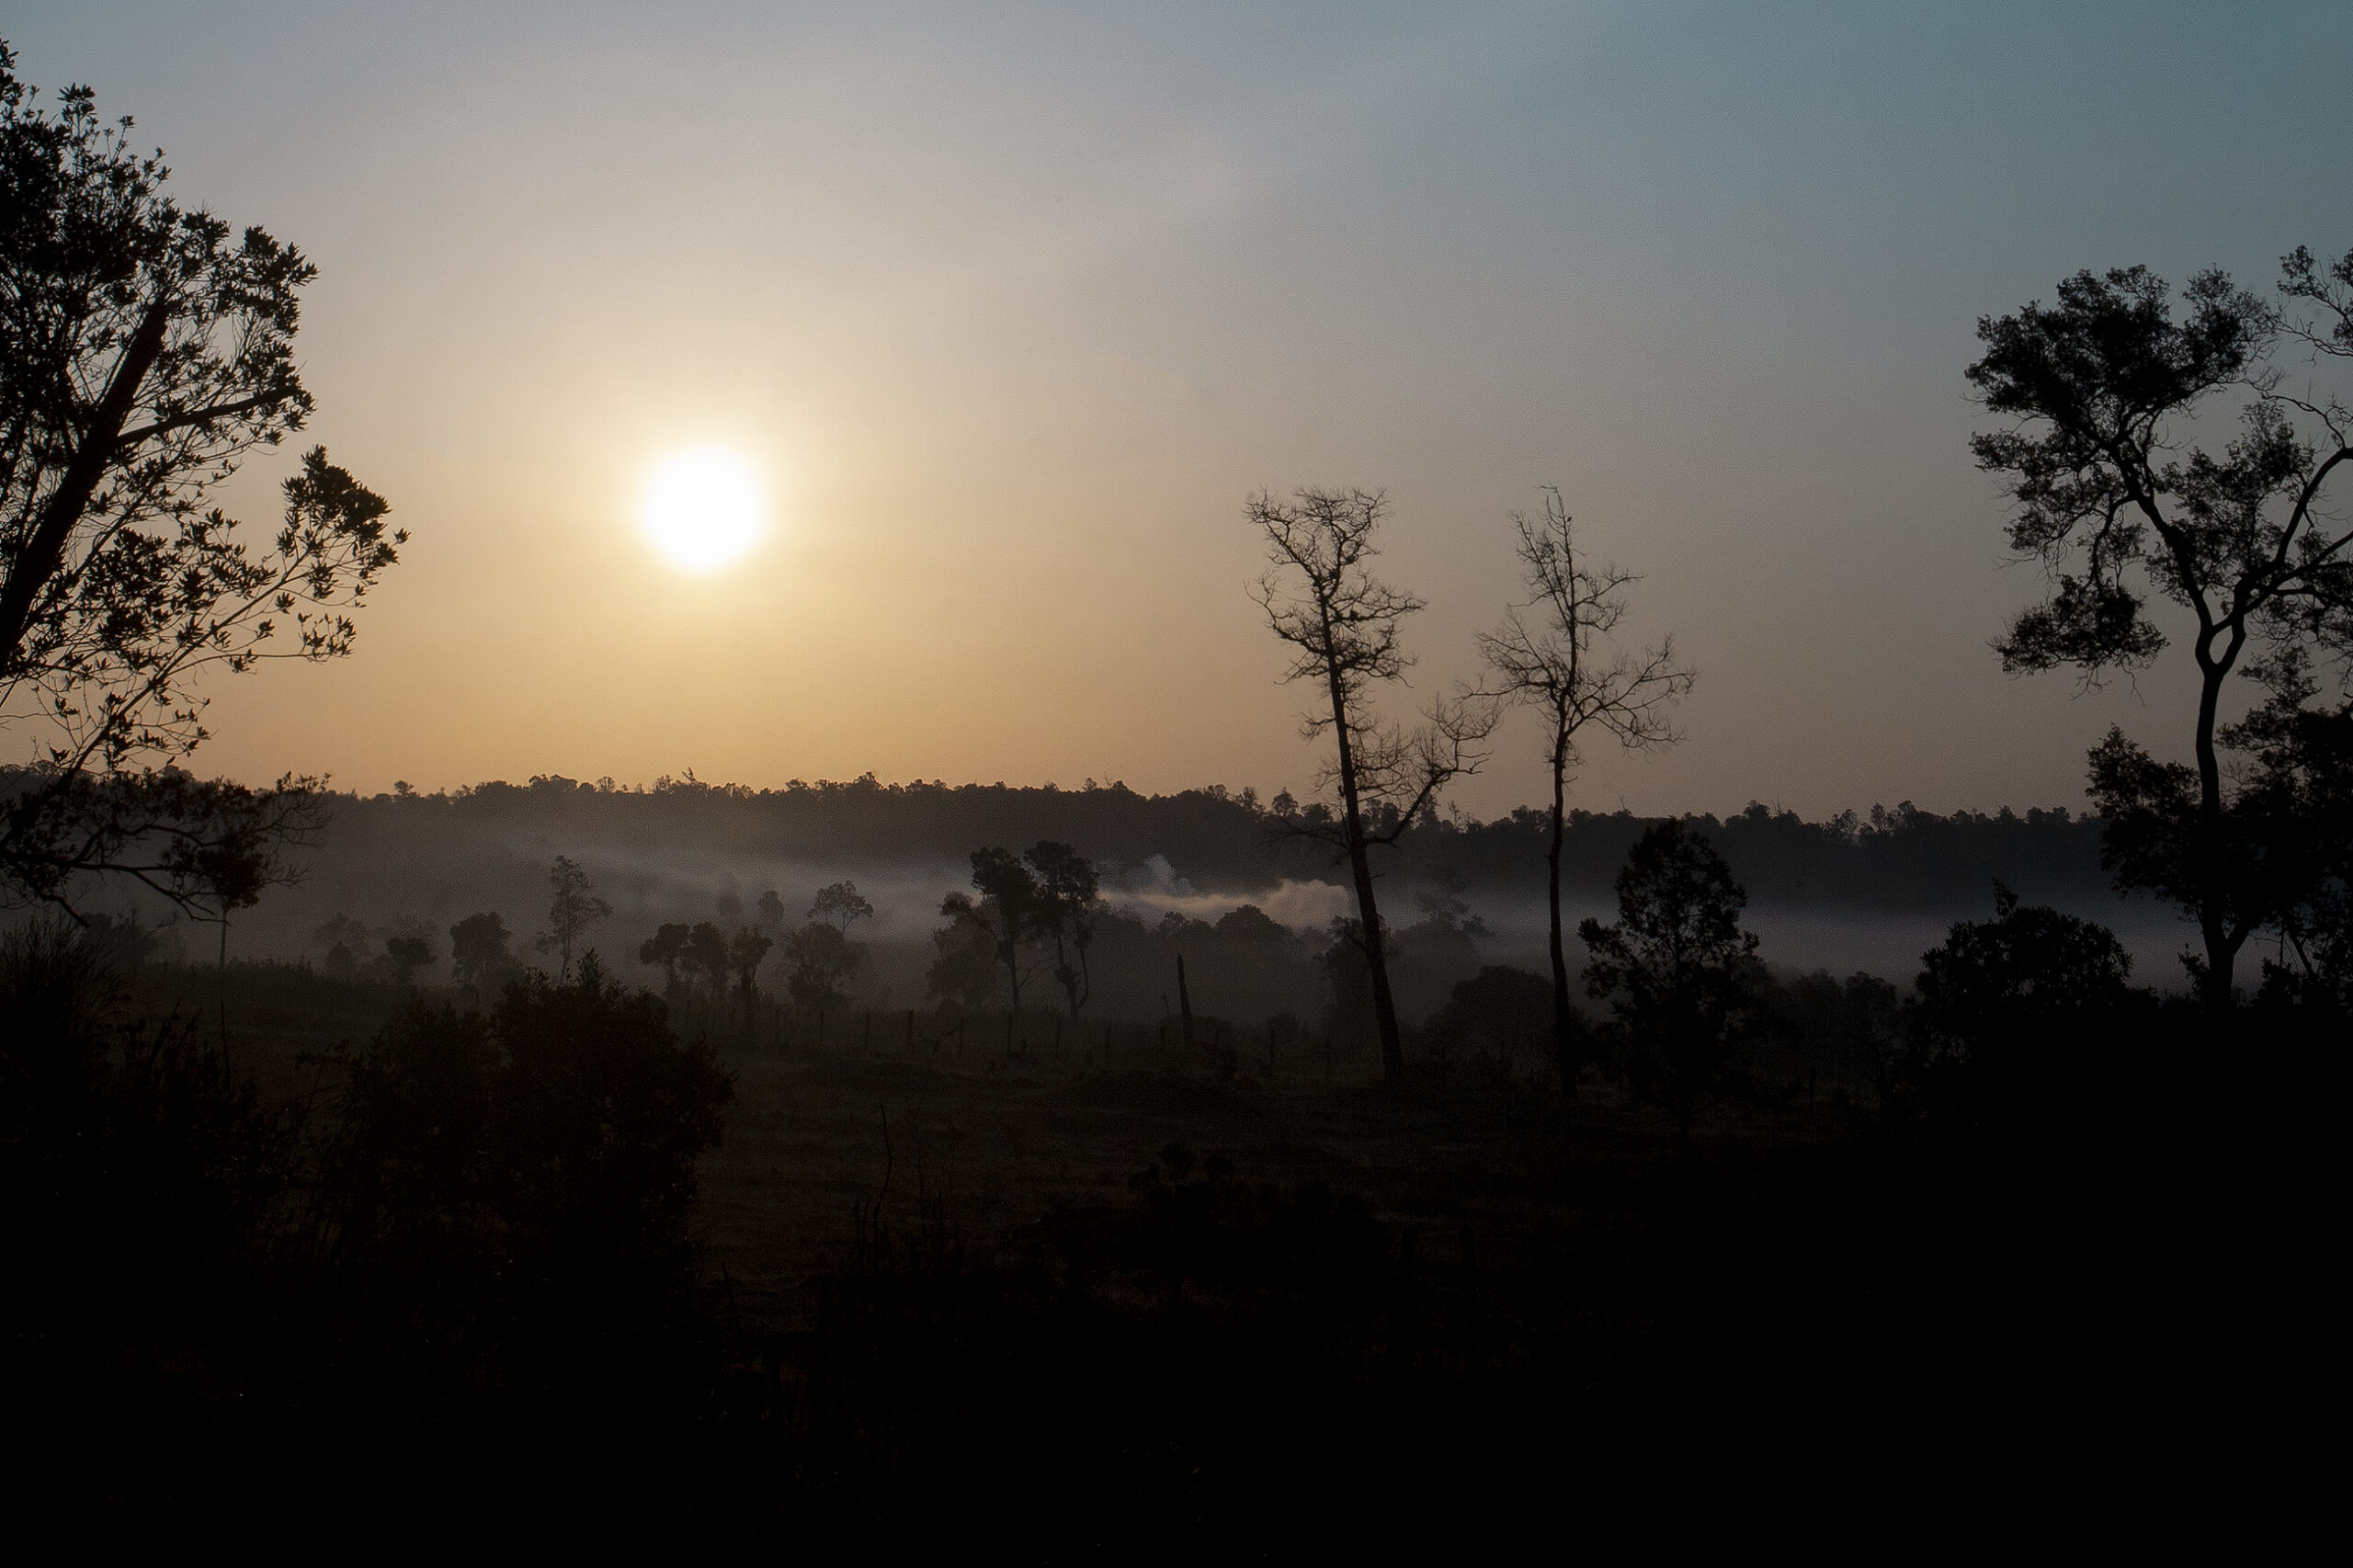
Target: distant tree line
[1899,857]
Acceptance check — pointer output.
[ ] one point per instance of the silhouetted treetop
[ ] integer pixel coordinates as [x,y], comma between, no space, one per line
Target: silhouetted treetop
[1899,857]
[2117,503]
[144,351]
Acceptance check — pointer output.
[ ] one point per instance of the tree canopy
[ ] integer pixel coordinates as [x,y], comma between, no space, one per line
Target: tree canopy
[146,349]
[2113,494]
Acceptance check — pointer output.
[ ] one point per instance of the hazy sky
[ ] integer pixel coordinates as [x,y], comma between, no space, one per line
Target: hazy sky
[1016,305]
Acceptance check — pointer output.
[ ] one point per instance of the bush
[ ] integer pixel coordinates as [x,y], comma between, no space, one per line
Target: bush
[134,1168]
[520,1184]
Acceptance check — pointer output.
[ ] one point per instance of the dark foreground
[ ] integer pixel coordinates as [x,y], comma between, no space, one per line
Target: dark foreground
[1054,1316]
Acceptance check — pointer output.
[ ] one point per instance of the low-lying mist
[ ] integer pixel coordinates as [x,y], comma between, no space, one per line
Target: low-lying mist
[1867,894]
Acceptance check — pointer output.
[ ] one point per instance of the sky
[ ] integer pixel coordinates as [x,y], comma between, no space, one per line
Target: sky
[1012,307]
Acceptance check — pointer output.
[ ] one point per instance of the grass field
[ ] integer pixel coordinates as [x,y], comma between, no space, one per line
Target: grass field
[972,1295]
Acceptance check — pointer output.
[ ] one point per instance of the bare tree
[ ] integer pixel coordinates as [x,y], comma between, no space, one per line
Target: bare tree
[1544,655]
[1321,597]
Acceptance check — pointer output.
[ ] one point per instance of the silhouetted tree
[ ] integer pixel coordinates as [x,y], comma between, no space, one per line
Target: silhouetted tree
[2010,1007]
[2115,503]
[340,930]
[1069,899]
[771,908]
[2023,972]
[818,963]
[122,941]
[842,904]
[1677,968]
[230,865]
[406,955]
[575,908]
[1491,1015]
[1850,1026]
[745,950]
[1321,597]
[142,353]
[1346,984]
[665,947]
[2300,789]
[964,968]
[1013,909]
[704,952]
[479,950]
[1546,655]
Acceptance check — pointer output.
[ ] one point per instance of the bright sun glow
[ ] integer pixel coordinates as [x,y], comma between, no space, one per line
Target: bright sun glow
[702,508]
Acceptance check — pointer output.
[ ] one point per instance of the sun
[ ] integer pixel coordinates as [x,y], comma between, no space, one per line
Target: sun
[702,508]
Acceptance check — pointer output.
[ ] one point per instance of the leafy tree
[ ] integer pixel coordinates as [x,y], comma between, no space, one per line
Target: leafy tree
[2119,506]
[666,947]
[344,938]
[575,908]
[2300,789]
[745,950]
[124,942]
[964,969]
[1013,909]
[1546,657]
[842,904]
[1069,895]
[1321,597]
[238,857]
[1346,981]
[819,960]
[479,950]
[406,955]
[771,908]
[340,930]
[1490,1014]
[2010,1008]
[1677,969]
[143,353]
[2028,970]
[1850,1026]
[704,952]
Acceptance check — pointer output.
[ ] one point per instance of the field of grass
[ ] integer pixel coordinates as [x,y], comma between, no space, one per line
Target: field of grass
[969,1295]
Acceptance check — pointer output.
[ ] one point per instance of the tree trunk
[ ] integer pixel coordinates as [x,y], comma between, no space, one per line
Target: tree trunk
[1376,953]
[2221,943]
[1184,1007]
[44,552]
[1011,973]
[1563,1040]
